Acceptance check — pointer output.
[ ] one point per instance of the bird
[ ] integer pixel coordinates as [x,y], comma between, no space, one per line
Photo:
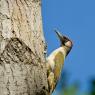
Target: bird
[55,61]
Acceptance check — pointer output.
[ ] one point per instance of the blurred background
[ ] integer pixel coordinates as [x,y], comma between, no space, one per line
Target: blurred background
[76,19]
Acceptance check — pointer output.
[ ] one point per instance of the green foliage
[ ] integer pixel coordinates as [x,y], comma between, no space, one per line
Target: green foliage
[70,90]
[74,89]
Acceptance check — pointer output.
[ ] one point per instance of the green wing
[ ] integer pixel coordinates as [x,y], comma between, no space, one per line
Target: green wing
[59,62]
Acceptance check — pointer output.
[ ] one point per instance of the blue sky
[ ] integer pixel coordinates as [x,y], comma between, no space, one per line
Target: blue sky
[76,19]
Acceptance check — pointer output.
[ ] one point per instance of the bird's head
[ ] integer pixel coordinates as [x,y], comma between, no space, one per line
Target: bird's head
[65,41]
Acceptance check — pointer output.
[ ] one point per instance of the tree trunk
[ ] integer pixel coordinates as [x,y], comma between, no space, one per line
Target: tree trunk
[22,44]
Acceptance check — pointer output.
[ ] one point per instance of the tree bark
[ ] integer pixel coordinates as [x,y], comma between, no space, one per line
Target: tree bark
[22,44]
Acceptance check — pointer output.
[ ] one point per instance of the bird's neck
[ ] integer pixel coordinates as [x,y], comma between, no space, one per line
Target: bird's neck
[55,52]
[62,50]
[66,49]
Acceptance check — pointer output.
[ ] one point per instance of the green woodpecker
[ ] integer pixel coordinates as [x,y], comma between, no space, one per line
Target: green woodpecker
[55,61]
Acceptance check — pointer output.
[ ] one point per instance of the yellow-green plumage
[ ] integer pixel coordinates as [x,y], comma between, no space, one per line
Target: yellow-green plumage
[54,66]
[56,59]
[59,61]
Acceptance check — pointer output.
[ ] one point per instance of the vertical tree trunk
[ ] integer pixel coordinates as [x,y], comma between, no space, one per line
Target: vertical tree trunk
[22,62]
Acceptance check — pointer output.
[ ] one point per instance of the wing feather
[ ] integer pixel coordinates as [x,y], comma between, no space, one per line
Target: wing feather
[59,62]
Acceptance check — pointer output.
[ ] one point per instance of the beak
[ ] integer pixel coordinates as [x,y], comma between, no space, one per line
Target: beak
[60,36]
